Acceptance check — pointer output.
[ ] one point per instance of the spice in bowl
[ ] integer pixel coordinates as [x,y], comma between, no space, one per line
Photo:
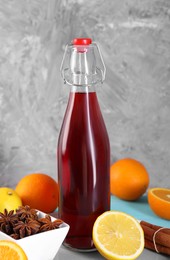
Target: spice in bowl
[37,233]
[26,222]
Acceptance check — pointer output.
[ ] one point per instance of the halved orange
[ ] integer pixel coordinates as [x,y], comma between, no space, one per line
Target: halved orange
[10,250]
[118,235]
[159,201]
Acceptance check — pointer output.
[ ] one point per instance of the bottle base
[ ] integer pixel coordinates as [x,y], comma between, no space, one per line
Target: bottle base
[80,243]
[81,250]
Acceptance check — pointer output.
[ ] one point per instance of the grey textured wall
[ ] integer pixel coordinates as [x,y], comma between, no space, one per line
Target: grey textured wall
[134,37]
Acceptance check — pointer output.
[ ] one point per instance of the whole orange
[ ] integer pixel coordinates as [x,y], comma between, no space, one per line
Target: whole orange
[39,191]
[129,179]
[159,201]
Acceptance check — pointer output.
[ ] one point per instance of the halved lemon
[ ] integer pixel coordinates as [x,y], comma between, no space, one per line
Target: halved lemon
[10,250]
[118,235]
[159,201]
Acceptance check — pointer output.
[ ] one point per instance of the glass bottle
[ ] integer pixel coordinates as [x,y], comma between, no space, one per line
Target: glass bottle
[83,146]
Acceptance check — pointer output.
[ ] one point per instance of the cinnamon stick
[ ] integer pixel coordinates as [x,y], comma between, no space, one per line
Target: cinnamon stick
[161,249]
[159,241]
[162,237]
[155,227]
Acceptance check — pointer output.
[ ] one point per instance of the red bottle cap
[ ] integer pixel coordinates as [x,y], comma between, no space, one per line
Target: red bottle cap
[82,41]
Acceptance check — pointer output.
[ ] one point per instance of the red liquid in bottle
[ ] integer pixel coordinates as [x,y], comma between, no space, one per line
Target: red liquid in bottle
[83,168]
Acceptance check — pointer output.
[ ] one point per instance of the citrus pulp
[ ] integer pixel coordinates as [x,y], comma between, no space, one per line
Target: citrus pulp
[118,235]
[10,250]
[159,201]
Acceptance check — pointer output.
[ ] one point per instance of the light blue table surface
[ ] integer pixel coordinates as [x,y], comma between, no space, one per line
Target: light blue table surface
[139,209]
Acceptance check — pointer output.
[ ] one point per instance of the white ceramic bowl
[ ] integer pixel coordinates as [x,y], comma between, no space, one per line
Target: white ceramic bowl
[41,246]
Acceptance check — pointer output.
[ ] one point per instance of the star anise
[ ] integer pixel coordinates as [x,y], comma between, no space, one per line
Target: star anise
[26,222]
[7,221]
[25,212]
[24,229]
[15,236]
[48,224]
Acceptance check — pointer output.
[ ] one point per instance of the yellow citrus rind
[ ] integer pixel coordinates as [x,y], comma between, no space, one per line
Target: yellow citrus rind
[118,235]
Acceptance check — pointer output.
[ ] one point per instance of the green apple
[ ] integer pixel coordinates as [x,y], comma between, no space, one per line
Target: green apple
[9,199]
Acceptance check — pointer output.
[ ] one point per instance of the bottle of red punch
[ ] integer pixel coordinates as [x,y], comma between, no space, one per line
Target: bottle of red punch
[83,146]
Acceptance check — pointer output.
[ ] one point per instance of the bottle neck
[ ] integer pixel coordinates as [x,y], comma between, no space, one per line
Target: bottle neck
[82,89]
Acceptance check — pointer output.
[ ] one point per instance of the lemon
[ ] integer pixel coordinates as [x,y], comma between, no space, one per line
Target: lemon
[9,199]
[118,235]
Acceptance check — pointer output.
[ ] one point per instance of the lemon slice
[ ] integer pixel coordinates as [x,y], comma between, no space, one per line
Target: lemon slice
[118,235]
[10,250]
